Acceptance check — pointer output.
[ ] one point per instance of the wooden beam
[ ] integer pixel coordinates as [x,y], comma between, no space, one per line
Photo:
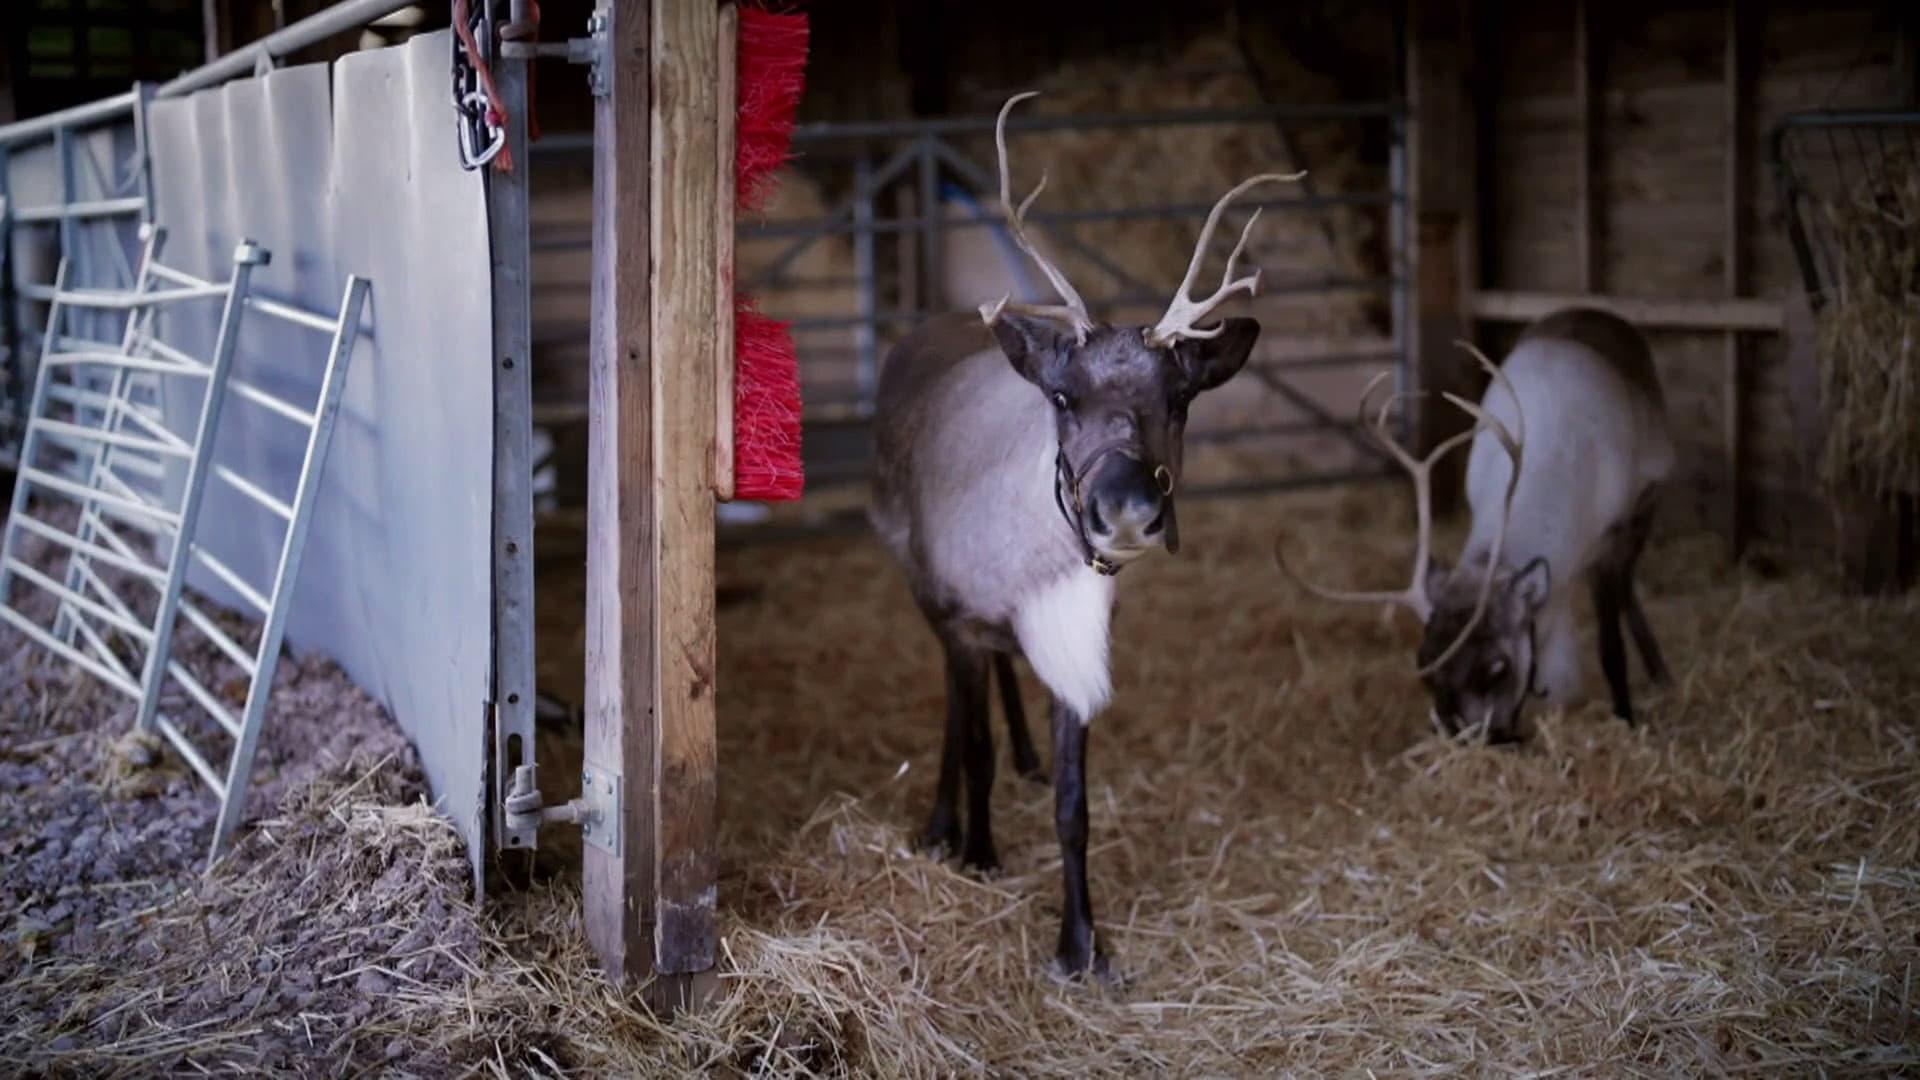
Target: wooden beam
[1586,208]
[1759,316]
[687,182]
[1441,187]
[617,880]
[1738,166]
[649,895]
[726,120]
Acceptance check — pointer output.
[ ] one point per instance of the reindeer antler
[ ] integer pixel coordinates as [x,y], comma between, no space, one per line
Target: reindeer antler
[1414,596]
[1185,311]
[1074,311]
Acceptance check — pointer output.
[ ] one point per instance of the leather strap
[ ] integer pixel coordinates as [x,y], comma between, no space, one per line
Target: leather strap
[1067,498]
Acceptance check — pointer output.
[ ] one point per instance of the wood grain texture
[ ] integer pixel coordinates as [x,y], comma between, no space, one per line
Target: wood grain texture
[1586,106]
[1441,156]
[1733,397]
[686,183]
[618,890]
[726,119]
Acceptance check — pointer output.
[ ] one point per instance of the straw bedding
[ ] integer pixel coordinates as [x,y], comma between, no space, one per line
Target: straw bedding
[1295,875]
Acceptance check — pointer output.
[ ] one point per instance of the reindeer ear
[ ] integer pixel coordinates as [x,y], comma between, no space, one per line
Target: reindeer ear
[1532,583]
[1037,350]
[1208,362]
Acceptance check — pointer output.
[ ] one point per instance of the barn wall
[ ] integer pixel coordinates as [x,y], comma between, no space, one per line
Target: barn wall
[1660,194]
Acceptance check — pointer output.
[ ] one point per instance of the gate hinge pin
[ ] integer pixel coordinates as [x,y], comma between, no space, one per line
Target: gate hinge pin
[596,811]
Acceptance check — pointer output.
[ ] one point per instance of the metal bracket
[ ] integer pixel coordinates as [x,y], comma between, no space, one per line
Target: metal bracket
[590,50]
[601,793]
[596,811]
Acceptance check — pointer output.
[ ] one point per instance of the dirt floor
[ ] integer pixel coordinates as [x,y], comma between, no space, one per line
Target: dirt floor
[1294,874]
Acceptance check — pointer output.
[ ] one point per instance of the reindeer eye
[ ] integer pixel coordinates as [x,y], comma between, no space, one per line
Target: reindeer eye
[1493,673]
[1060,401]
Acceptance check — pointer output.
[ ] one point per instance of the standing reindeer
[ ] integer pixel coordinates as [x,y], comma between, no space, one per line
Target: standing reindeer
[1576,502]
[1024,456]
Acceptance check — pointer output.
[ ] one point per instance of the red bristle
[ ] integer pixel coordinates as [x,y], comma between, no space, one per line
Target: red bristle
[772,61]
[766,408]
[772,65]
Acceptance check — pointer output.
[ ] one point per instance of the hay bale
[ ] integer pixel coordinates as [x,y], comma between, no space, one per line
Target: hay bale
[1869,335]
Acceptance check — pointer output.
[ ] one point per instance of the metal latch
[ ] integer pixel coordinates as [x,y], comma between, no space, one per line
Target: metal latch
[590,50]
[596,810]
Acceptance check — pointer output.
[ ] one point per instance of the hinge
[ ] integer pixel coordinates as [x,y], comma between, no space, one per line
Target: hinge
[596,810]
[590,50]
[600,790]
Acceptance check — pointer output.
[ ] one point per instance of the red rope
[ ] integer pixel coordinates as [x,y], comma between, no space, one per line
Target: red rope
[496,113]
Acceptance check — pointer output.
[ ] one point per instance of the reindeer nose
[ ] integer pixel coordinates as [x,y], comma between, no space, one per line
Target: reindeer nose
[1126,508]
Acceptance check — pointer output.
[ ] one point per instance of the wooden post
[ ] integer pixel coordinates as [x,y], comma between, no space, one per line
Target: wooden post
[687,181]
[1737,167]
[1443,193]
[1586,107]
[648,879]
[726,119]
[617,872]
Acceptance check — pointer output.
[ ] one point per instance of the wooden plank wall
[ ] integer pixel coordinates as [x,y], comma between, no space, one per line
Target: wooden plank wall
[1658,197]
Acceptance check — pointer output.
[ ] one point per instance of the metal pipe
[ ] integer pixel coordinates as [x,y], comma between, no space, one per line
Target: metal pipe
[212,632]
[116,300]
[192,755]
[575,143]
[232,579]
[341,17]
[96,435]
[95,209]
[93,551]
[67,596]
[128,363]
[83,493]
[43,127]
[101,649]
[250,392]
[68,653]
[253,491]
[292,314]
[923,220]
[204,698]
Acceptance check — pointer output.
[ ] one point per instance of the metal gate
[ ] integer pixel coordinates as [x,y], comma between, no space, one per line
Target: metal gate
[892,179]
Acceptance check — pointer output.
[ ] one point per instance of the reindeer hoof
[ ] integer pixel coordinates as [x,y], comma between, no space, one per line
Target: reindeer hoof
[1031,771]
[1082,969]
[981,859]
[1081,959]
[939,840]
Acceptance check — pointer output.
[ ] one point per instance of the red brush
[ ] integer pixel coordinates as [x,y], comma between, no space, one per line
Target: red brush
[771,71]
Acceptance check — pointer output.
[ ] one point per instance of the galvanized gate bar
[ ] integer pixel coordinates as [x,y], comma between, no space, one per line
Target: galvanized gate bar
[245,257]
[346,332]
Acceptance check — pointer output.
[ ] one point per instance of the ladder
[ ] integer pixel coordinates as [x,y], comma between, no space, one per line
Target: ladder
[129,441]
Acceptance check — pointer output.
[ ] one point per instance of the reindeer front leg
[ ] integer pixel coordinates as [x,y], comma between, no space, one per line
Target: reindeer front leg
[1080,950]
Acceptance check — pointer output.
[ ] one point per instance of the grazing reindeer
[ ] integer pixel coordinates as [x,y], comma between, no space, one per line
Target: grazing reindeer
[1024,456]
[1579,504]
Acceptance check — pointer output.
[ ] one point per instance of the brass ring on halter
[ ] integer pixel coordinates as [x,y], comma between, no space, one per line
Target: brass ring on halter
[1164,477]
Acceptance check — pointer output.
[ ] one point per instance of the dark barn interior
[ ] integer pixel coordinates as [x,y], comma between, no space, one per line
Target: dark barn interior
[1294,870]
